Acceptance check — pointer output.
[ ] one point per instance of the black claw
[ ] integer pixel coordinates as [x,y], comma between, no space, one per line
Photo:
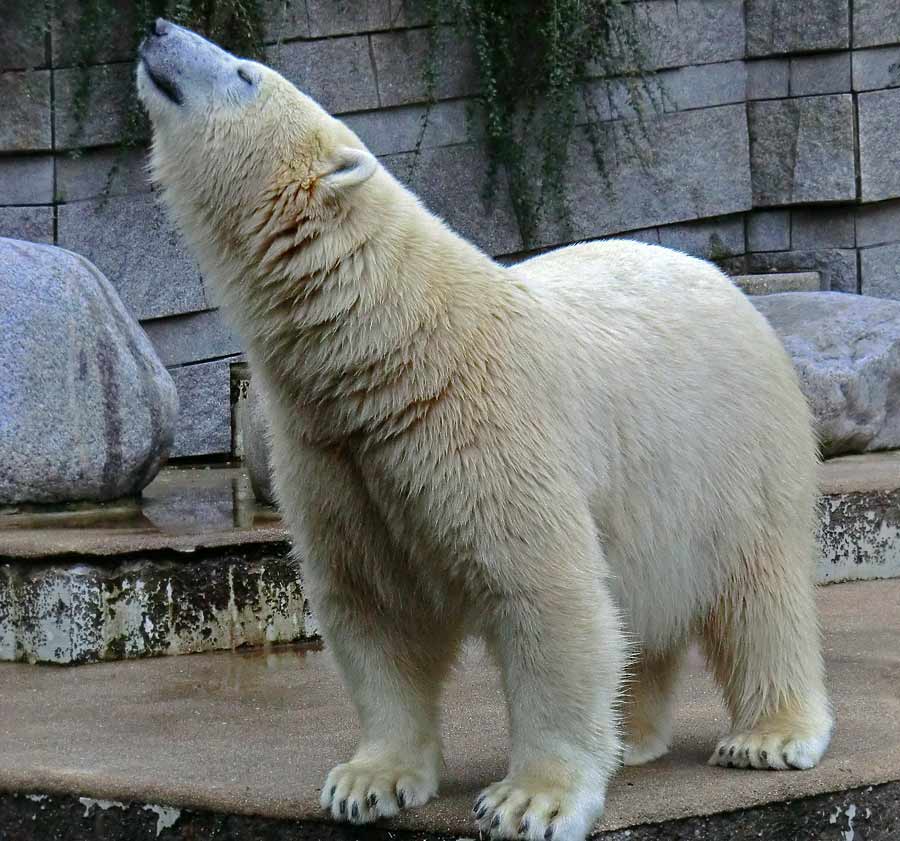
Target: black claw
[548,834]
[372,800]
[401,799]
[477,805]
[481,812]
[523,827]
[764,755]
[496,822]
[731,752]
[333,790]
[354,811]
[342,808]
[722,751]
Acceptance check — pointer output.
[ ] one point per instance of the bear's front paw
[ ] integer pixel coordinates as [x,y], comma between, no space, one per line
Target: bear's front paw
[530,808]
[369,788]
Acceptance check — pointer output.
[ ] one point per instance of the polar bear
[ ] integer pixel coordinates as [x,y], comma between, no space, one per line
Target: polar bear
[588,459]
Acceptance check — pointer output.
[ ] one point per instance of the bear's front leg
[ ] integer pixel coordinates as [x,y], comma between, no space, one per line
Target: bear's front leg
[560,647]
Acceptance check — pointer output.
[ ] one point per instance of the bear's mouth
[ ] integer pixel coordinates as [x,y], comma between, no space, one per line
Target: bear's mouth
[165,86]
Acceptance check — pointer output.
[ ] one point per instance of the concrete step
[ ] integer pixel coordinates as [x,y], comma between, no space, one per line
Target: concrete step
[767,284]
[236,745]
[204,568]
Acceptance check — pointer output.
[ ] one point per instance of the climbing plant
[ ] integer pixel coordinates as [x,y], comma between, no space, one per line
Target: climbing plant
[547,70]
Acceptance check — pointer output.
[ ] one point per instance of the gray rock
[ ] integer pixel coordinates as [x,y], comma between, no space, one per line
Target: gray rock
[768,78]
[769,230]
[880,268]
[255,435]
[878,223]
[133,242]
[802,150]
[336,72]
[87,411]
[877,68]
[34,223]
[25,126]
[823,227]
[786,26]
[875,22]
[879,152]
[836,266]
[196,337]
[816,74]
[401,59]
[26,179]
[204,419]
[846,349]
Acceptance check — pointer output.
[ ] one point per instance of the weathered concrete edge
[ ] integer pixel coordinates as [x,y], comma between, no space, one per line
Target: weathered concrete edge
[872,811]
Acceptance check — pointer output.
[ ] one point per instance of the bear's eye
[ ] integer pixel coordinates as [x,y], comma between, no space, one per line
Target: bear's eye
[245,75]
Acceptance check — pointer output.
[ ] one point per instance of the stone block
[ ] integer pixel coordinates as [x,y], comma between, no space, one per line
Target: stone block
[823,227]
[875,22]
[23,41]
[253,428]
[204,409]
[878,223]
[342,17]
[147,606]
[195,337]
[769,230]
[102,119]
[711,239]
[768,78]
[879,151]
[786,26]
[401,60]
[877,68]
[33,224]
[336,72]
[284,19]
[880,269]
[677,34]
[802,150]
[705,85]
[96,173]
[698,168]
[451,181]
[387,131]
[26,179]
[25,126]
[817,74]
[837,267]
[113,37]
[132,242]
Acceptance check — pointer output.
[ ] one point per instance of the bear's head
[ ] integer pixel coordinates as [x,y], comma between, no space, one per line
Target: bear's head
[237,145]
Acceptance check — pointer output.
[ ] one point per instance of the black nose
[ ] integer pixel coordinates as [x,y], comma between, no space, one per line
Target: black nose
[159,27]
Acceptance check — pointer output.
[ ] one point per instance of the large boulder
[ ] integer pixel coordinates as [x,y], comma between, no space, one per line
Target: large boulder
[846,349]
[255,435]
[87,410]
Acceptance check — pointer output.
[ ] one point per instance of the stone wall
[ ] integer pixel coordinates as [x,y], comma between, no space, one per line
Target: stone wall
[777,151]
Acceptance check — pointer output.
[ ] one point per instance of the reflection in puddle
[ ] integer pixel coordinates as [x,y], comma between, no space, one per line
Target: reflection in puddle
[181,500]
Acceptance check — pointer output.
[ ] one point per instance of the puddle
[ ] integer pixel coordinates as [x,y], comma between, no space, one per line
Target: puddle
[180,501]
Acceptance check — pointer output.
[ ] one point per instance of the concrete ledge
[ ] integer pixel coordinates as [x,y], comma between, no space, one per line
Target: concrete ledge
[767,284]
[254,734]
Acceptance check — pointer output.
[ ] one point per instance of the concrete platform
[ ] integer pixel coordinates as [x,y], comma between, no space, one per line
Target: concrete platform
[253,734]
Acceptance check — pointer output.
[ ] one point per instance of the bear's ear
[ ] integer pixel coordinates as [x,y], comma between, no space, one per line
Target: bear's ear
[349,167]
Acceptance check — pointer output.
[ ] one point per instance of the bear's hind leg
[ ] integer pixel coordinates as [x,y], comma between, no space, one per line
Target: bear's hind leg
[763,645]
[649,684]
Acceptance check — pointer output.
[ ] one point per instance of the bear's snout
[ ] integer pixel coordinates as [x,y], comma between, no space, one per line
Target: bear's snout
[158,28]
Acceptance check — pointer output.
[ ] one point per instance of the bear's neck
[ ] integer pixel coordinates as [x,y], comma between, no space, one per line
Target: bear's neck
[357,326]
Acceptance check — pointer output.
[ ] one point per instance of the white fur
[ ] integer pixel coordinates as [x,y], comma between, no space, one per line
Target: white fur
[594,455]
